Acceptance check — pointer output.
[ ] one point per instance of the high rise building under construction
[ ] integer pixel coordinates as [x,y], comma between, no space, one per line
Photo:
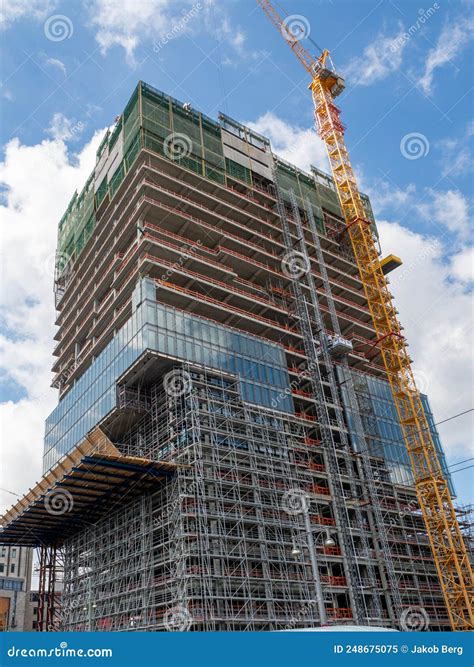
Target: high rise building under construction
[226,453]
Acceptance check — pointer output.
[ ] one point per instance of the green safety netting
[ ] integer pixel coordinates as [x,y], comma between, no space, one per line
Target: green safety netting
[304,188]
[151,120]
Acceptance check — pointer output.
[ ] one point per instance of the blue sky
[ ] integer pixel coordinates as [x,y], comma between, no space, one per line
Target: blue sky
[68,68]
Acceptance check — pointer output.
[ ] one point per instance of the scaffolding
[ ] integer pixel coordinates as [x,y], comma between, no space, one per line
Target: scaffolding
[108,573]
[375,487]
[358,550]
[212,549]
[50,580]
[219,545]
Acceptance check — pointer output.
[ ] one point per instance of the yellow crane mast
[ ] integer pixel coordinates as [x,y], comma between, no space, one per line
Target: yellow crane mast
[447,544]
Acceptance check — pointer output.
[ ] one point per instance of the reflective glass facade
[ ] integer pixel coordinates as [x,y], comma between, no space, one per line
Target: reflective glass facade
[382,426]
[260,365]
[93,395]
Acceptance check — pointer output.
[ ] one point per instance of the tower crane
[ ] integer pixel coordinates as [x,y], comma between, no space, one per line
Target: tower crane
[446,540]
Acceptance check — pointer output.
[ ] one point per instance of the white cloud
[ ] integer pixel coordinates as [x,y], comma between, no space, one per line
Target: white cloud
[127,24]
[456,153]
[462,265]
[222,29]
[36,9]
[448,209]
[56,63]
[39,181]
[300,146]
[161,21]
[451,41]
[436,312]
[62,128]
[457,158]
[431,292]
[380,58]
[385,194]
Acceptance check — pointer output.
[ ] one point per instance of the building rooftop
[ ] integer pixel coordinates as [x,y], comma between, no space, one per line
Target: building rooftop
[158,122]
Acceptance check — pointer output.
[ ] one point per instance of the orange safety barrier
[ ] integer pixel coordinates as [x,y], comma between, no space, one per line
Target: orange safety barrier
[333,581]
[316,466]
[90,297]
[323,520]
[200,221]
[303,415]
[209,299]
[321,490]
[339,612]
[232,189]
[301,392]
[332,551]
[195,204]
[213,281]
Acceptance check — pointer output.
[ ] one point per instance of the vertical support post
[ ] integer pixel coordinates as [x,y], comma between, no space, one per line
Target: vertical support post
[41,588]
[89,603]
[315,569]
[50,594]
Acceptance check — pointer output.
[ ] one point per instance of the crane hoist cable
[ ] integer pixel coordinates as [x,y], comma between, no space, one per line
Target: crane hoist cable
[219,57]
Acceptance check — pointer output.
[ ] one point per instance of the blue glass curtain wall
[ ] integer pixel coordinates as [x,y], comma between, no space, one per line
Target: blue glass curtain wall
[260,365]
[381,424]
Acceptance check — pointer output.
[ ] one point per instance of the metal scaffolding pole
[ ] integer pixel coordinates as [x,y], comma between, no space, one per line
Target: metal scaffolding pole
[362,446]
[315,569]
[312,328]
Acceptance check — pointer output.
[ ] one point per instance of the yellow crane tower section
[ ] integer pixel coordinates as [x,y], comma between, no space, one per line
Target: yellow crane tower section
[447,544]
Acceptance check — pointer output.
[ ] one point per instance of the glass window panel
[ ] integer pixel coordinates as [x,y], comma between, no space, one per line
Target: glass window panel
[162,342]
[198,353]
